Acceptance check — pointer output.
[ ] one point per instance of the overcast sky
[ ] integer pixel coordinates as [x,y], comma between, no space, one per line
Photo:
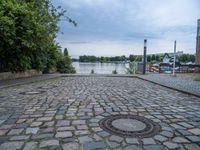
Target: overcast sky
[118,27]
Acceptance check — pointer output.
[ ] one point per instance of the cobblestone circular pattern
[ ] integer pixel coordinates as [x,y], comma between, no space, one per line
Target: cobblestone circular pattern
[130,126]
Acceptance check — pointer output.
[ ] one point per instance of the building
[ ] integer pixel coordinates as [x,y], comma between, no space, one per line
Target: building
[198,44]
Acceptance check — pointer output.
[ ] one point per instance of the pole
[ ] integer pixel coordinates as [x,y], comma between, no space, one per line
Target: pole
[144,57]
[174,65]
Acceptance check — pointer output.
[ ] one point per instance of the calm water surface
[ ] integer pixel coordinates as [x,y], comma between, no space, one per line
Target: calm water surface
[100,68]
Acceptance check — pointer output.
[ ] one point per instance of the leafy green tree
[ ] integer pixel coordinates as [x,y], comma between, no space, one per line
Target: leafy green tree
[66,52]
[28,30]
[153,58]
[148,58]
[64,64]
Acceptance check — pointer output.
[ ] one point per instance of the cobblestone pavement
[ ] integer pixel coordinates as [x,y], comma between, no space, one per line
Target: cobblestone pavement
[66,115]
[25,80]
[184,82]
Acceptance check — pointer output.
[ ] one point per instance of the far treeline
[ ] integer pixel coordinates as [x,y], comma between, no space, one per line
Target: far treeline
[28,30]
[150,58]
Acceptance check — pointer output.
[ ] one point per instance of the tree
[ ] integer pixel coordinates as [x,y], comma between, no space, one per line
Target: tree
[28,31]
[65,52]
[153,58]
[149,58]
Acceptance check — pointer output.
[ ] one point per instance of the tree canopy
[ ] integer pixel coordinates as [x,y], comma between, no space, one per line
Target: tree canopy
[28,30]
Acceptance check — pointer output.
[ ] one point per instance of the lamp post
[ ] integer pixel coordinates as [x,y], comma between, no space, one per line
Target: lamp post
[174,65]
[145,56]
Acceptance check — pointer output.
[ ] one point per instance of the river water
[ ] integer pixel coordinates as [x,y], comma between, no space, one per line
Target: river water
[100,68]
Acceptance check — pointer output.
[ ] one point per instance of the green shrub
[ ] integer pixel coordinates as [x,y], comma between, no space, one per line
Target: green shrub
[114,71]
[92,71]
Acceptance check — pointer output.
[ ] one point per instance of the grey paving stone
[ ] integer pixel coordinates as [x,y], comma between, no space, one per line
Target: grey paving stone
[154,147]
[36,124]
[71,146]
[94,145]
[19,137]
[11,146]
[160,138]
[180,140]
[77,104]
[171,145]
[132,141]
[84,139]
[194,138]
[49,143]
[3,132]
[64,134]
[167,134]
[42,136]
[113,144]
[192,147]
[148,141]
[132,147]
[103,134]
[63,123]
[32,130]
[116,138]
[30,146]
[15,131]
[195,131]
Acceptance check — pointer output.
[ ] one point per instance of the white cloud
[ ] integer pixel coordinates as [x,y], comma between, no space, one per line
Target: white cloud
[119,27]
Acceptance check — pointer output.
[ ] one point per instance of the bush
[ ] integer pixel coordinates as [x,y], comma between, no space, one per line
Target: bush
[114,71]
[131,69]
[92,71]
[64,65]
[28,31]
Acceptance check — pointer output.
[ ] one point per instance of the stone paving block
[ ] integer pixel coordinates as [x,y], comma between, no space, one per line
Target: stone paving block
[63,134]
[132,141]
[116,138]
[11,146]
[154,147]
[180,140]
[132,147]
[49,143]
[15,131]
[44,119]
[30,146]
[71,112]
[171,145]
[194,138]
[148,141]
[36,124]
[94,145]
[32,130]
[195,131]
[61,123]
[160,138]
[71,146]
[3,132]
[42,136]
[84,139]
[19,137]
[192,147]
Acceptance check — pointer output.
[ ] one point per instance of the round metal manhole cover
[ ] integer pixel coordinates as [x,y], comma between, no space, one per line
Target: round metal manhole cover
[130,126]
[32,92]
